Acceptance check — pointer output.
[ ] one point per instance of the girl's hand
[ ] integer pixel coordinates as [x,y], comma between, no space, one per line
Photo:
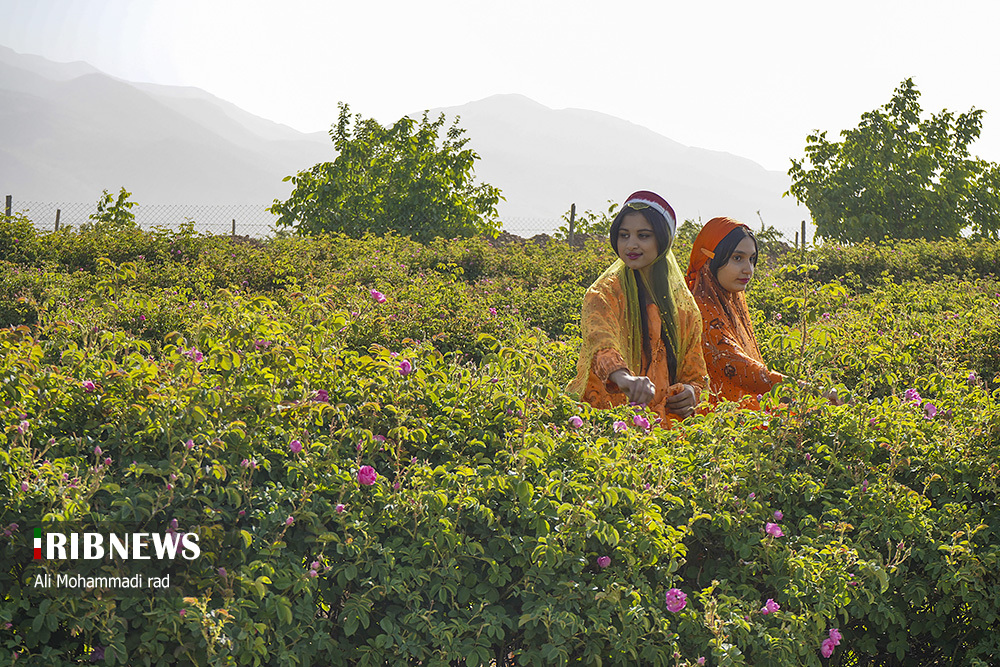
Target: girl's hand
[639,389]
[681,400]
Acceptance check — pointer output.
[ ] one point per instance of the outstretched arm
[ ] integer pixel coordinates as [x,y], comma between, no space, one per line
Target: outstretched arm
[726,358]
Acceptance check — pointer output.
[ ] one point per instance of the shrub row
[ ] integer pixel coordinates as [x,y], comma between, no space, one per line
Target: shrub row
[507,524]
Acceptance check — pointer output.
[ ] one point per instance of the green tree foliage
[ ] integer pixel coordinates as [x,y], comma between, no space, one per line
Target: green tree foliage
[18,238]
[899,176]
[590,223]
[114,214]
[398,178]
[688,231]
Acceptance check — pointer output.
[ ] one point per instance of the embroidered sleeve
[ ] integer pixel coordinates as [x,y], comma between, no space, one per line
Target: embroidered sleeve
[601,329]
[607,362]
[726,358]
[692,369]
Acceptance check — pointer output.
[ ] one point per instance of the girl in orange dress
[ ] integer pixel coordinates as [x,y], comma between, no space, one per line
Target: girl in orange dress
[641,328]
[723,260]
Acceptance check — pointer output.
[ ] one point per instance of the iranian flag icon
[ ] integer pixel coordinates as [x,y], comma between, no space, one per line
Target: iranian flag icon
[38,544]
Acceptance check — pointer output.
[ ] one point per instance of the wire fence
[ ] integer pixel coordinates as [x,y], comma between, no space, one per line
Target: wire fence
[254,220]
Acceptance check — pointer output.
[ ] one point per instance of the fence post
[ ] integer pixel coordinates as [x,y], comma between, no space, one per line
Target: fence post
[796,240]
[234,227]
[58,211]
[7,207]
[572,219]
[803,235]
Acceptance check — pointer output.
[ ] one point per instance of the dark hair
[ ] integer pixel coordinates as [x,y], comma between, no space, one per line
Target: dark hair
[655,220]
[727,246]
[663,240]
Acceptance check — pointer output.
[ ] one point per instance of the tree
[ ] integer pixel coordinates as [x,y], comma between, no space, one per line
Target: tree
[688,231]
[899,176]
[590,223]
[114,214]
[392,179]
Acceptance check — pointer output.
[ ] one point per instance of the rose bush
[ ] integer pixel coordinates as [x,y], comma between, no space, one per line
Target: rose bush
[504,523]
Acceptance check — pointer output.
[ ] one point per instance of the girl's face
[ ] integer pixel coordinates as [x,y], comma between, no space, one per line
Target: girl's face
[636,243]
[735,274]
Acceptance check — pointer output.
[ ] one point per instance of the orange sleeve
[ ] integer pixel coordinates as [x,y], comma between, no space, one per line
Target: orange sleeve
[727,359]
[601,326]
[606,362]
[692,369]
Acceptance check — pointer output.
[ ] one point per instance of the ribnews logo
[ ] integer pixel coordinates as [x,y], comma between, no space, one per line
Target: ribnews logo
[124,546]
[110,558]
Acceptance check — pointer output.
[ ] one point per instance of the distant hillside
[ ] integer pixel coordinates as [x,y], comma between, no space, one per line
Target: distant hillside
[68,131]
[545,159]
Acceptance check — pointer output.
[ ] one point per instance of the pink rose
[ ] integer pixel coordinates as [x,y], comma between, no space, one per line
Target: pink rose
[778,515]
[826,648]
[378,296]
[340,508]
[603,561]
[575,421]
[405,367]
[770,607]
[620,426]
[835,636]
[367,475]
[773,529]
[295,446]
[676,600]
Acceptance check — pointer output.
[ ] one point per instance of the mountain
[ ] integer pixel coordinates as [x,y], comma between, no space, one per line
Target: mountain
[545,159]
[68,131]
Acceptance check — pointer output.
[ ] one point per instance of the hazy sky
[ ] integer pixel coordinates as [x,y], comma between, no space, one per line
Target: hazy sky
[750,78]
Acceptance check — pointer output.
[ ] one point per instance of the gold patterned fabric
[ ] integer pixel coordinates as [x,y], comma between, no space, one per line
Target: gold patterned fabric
[612,336]
[732,355]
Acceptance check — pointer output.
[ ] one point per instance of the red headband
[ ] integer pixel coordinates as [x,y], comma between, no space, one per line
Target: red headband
[657,203]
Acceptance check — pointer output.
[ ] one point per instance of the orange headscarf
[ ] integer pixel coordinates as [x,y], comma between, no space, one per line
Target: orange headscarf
[735,365]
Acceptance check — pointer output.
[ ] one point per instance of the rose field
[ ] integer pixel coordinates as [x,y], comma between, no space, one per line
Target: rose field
[372,439]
